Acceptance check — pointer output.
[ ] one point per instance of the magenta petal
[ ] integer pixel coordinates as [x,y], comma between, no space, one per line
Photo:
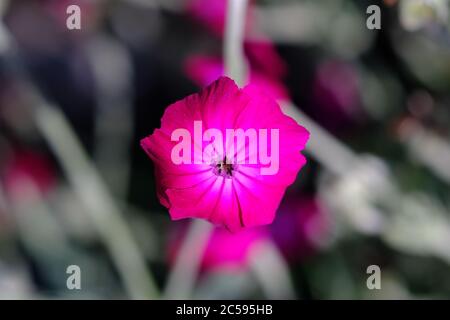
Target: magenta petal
[224,250]
[235,195]
[258,202]
[197,201]
[227,211]
[232,251]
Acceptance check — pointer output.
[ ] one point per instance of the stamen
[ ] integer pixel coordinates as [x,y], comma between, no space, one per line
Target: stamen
[224,168]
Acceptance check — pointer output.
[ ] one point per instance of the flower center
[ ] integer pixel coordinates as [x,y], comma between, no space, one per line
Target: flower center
[224,168]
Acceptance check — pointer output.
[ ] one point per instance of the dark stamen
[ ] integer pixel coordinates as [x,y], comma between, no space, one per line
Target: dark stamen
[224,168]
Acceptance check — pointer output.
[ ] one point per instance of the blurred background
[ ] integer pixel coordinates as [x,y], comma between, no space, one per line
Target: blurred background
[77,189]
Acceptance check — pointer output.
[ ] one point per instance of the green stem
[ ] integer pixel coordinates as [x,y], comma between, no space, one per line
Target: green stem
[235,64]
[183,275]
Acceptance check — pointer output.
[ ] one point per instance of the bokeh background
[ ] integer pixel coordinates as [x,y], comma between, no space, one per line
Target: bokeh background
[77,189]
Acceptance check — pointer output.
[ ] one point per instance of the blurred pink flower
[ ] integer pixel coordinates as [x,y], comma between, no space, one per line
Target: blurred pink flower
[234,195]
[212,14]
[261,53]
[263,57]
[336,93]
[30,166]
[224,250]
[267,68]
[203,70]
[228,249]
[301,227]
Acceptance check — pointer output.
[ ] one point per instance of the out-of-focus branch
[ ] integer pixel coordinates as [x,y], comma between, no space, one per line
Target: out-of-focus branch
[183,275]
[422,143]
[19,284]
[367,197]
[112,70]
[233,50]
[265,258]
[324,147]
[93,193]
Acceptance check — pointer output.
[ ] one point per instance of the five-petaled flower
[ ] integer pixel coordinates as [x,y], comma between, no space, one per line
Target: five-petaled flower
[238,196]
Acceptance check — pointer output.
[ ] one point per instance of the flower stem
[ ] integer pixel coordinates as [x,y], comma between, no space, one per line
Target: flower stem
[271,271]
[235,65]
[184,272]
[112,71]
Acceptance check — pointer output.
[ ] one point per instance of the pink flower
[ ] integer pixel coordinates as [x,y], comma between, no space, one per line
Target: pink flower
[260,51]
[212,14]
[267,68]
[203,70]
[32,166]
[224,250]
[336,93]
[232,249]
[226,192]
[264,58]
[301,227]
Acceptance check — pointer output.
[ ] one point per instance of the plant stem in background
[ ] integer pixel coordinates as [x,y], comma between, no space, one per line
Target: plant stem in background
[324,147]
[183,275]
[93,193]
[266,258]
[235,63]
[111,66]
